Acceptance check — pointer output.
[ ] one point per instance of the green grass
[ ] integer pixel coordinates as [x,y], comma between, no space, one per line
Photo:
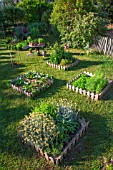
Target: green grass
[98,140]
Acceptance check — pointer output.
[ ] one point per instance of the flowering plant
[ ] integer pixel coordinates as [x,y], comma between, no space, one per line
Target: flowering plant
[49,127]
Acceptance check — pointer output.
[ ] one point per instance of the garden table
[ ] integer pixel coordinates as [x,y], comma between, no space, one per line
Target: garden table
[37,47]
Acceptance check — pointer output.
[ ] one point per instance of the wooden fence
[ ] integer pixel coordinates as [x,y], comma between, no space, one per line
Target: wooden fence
[105,45]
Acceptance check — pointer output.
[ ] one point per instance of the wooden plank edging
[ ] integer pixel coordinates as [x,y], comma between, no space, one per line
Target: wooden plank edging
[49,82]
[93,96]
[57,160]
[59,67]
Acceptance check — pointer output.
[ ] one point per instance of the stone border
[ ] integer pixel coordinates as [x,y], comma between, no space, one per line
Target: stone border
[93,96]
[49,82]
[57,160]
[66,67]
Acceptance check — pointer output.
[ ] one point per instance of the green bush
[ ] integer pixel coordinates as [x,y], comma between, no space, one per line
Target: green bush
[58,54]
[19,46]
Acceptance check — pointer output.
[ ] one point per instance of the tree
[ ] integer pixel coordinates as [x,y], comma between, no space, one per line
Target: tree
[33,9]
[13,15]
[76,21]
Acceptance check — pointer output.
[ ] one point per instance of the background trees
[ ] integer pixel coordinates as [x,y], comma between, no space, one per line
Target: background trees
[77,21]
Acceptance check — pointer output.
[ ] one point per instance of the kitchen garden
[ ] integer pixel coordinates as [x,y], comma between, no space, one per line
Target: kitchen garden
[44,120]
[32,83]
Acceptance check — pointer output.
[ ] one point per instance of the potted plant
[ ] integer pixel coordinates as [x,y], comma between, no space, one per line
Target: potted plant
[41,41]
[29,40]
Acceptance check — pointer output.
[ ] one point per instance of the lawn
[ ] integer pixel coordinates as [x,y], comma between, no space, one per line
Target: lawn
[91,148]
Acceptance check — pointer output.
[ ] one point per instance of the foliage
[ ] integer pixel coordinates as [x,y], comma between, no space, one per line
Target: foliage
[58,53]
[64,62]
[95,83]
[49,130]
[81,82]
[40,40]
[13,15]
[48,109]
[29,39]
[77,22]
[33,10]
[32,82]
[45,20]
[21,45]
[33,30]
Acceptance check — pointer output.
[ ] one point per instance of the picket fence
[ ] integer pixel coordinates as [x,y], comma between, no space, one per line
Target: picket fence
[104,45]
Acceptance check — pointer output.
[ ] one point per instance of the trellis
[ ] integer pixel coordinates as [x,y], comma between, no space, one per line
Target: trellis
[105,45]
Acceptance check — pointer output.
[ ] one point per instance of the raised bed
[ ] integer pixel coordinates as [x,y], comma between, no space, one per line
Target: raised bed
[34,82]
[60,67]
[93,96]
[57,160]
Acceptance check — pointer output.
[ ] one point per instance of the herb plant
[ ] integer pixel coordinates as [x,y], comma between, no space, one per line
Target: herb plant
[49,126]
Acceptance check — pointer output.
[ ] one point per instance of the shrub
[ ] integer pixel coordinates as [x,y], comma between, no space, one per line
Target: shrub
[19,46]
[58,53]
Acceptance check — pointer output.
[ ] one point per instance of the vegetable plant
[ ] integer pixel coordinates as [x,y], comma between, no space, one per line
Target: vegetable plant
[94,83]
[32,82]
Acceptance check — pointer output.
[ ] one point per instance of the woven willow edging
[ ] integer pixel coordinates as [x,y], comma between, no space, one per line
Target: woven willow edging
[93,96]
[66,67]
[57,160]
[49,83]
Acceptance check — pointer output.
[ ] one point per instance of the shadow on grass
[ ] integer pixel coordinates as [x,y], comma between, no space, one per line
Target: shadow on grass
[5,58]
[9,72]
[108,95]
[9,141]
[78,53]
[1,49]
[85,64]
[94,142]
[7,53]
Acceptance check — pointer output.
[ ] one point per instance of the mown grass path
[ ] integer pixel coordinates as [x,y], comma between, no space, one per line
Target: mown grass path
[96,143]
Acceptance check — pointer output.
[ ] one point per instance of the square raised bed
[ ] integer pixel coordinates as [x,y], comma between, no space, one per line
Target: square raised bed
[52,129]
[31,83]
[58,159]
[92,95]
[63,67]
